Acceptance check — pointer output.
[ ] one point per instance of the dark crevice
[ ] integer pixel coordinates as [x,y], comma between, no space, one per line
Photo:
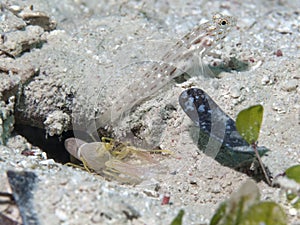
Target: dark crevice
[52,145]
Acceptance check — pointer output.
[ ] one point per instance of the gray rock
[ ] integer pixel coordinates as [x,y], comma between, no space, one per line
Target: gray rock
[7,119]
[290,85]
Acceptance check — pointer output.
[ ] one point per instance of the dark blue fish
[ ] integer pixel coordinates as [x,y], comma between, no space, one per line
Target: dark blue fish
[218,136]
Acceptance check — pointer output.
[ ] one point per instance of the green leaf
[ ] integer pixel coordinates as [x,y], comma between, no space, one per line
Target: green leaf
[291,198]
[217,217]
[293,173]
[232,211]
[244,208]
[267,213]
[178,219]
[248,123]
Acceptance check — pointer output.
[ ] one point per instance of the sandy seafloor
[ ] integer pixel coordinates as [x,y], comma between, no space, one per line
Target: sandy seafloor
[81,59]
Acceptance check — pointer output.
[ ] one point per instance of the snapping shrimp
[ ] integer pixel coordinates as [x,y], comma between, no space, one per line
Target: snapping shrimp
[116,160]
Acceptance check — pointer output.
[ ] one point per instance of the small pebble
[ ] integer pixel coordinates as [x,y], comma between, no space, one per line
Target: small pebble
[56,199]
[290,85]
[47,162]
[44,155]
[97,218]
[61,215]
[279,107]
[193,182]
[265,80]
[235,102]
[86,206]
[25,164]
[216,189]
[15,8]
[235,92]
[284,30]
[151,193]
[278,53]
[293,212]
[215,84]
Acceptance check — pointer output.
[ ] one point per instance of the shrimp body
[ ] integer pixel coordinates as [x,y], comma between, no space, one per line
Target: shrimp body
[115,160]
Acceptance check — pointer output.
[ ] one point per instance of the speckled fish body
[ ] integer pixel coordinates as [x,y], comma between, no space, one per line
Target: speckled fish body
[183,56]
